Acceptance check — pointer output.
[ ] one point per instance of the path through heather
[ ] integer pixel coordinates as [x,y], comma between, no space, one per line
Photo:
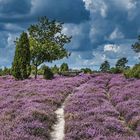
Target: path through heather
[58,129]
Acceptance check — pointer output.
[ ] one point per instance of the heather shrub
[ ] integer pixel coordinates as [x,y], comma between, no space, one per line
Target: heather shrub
[133,72]
[48,74]
[38,131]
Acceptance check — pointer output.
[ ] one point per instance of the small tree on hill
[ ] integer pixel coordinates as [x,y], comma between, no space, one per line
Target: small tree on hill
[21,68]
[55,69]
[136,46]
[64,67]
[105,66]
[121,63]
[47,42]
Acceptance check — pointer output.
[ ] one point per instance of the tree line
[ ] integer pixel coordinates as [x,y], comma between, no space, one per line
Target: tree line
[121,66]
[44,42]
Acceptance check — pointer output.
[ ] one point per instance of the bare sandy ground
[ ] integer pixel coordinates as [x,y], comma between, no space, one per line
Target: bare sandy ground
[58,133]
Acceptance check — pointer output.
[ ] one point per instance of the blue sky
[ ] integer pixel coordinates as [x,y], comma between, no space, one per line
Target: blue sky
[101,29]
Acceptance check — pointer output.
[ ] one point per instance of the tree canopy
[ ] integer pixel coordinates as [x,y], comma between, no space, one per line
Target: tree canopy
[121,63]
[47,41]
[136,46]
[105,66]
[64,67]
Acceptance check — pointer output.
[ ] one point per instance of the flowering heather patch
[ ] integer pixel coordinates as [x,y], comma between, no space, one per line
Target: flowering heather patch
[95,112]
[27,107]
[126,98]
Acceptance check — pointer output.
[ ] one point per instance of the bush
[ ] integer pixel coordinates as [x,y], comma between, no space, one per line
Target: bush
[48,74]
[55,69]
[64,67]
[5,71]
[86,70]
[116,70]
[133,72]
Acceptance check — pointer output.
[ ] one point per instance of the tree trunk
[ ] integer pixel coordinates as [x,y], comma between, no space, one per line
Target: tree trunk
[36,72]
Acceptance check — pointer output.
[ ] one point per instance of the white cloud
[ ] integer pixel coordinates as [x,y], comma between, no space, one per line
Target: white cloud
[111,47]
[116,34]
[10,40]
[95,6]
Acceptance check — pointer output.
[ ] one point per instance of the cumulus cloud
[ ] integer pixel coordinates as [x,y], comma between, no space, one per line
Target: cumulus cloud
[116,34]
[101,29]
[111,47]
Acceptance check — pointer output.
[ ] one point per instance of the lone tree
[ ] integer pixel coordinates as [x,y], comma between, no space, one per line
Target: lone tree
[47,42]
[136,46]
[121,63]
[64,67]
[21,68]
[105,66]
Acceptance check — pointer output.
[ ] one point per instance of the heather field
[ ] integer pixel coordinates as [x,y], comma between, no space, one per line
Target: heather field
[96,107]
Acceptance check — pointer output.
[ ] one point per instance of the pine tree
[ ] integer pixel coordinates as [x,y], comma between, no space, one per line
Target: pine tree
[21,68]
[121,63]
[105,66]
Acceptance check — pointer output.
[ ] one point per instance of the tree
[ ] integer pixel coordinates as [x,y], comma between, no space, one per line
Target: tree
[48,74]
[86,70]
[21,68]
[64,67]
[136,46]
[105,66]
[55,69]
[47,42]
[121,63]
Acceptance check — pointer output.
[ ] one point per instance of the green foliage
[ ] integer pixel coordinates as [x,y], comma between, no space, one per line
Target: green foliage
[133,72]
[5,71]
[105,66]
[121,63]
[40,71]
[64,67]
[47,41]
[21,68]
[48,74]
[86,70]
[116,70]
[55,69]
[136,46]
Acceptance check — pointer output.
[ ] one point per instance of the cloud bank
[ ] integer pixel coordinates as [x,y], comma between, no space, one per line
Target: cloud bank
[101,30]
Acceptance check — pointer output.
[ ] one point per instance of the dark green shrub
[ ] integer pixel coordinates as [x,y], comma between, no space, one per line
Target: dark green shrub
[55,69]
[86,70]
[48,74]
[116,70]
[64,67]
[133,72]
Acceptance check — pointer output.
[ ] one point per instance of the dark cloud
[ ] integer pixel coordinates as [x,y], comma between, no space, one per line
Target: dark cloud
[69,11]
[14,7]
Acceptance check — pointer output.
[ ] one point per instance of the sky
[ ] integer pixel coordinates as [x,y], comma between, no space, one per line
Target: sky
[101,29]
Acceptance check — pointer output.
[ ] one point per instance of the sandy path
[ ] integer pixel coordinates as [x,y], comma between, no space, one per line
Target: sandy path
[59,127]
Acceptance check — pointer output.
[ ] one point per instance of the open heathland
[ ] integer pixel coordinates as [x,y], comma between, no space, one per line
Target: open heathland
[94,107]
